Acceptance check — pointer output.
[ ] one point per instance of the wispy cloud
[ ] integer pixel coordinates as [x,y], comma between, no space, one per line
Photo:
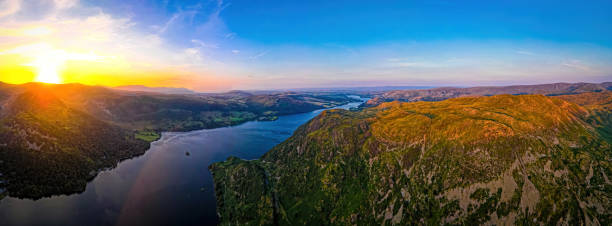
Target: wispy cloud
[438,63]
[260,54]
[230,35]
[577,64]
[202,44]
[524,52]
[415,64]
[177,18]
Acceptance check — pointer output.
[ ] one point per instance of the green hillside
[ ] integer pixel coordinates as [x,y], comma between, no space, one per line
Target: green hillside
[48,148]
[476,160]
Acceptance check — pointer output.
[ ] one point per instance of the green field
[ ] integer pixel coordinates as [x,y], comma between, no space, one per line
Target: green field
[148,136]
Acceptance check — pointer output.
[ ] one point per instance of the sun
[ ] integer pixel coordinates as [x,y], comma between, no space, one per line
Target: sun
[48,70]
[49,63]
[48,73]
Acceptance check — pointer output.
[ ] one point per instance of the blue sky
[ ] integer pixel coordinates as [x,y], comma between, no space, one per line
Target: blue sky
[295,44]
[355,23]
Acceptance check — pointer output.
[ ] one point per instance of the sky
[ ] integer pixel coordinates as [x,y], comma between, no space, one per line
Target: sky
[225,45]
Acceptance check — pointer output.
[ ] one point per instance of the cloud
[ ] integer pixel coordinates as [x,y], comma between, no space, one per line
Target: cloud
[34,7]
[230,35]
[214,24]
[91,30]
[177,18]
[9,7]
[168,23]
[414,64]
[524,52]
[203,44]
[193,54]
[577,64]
[111,45]
[194,44]
[437,63]
[260,54]
[64,4]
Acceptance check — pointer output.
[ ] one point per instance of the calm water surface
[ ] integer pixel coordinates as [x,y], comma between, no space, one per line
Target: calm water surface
[165,186]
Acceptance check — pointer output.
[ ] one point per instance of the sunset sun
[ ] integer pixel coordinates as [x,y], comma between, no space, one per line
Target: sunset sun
[48,74]
[48,70]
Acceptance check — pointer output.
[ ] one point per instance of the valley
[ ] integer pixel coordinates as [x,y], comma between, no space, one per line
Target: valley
[164,186]
[55,138]
[474,159]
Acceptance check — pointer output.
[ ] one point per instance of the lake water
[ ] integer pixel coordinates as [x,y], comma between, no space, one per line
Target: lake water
[165,186]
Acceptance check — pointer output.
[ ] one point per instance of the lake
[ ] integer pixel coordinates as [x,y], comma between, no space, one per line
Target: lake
[169,185]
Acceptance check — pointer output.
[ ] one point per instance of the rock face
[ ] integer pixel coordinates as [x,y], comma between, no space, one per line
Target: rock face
[474,160]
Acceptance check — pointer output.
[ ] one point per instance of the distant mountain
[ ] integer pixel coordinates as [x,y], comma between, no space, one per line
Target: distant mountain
[236,94]
[54,138]
[165,90]
[502,160]
[362,89]
[443,93]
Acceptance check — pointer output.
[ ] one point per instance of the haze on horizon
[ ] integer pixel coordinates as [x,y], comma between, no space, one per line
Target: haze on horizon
[224,45]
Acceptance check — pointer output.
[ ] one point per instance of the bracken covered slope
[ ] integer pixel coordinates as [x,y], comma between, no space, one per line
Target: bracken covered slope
[476,160]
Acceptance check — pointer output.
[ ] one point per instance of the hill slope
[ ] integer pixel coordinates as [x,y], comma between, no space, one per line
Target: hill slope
[501,159]
[48,148]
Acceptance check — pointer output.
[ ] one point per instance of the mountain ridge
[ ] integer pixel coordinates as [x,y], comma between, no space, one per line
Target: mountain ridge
[442,93]
[164,90]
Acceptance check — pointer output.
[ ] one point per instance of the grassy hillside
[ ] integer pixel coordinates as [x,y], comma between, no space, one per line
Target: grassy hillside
[502,159]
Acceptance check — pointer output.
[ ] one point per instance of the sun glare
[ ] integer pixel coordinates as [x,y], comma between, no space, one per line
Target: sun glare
[48,70]
[48,74]
[51,65]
